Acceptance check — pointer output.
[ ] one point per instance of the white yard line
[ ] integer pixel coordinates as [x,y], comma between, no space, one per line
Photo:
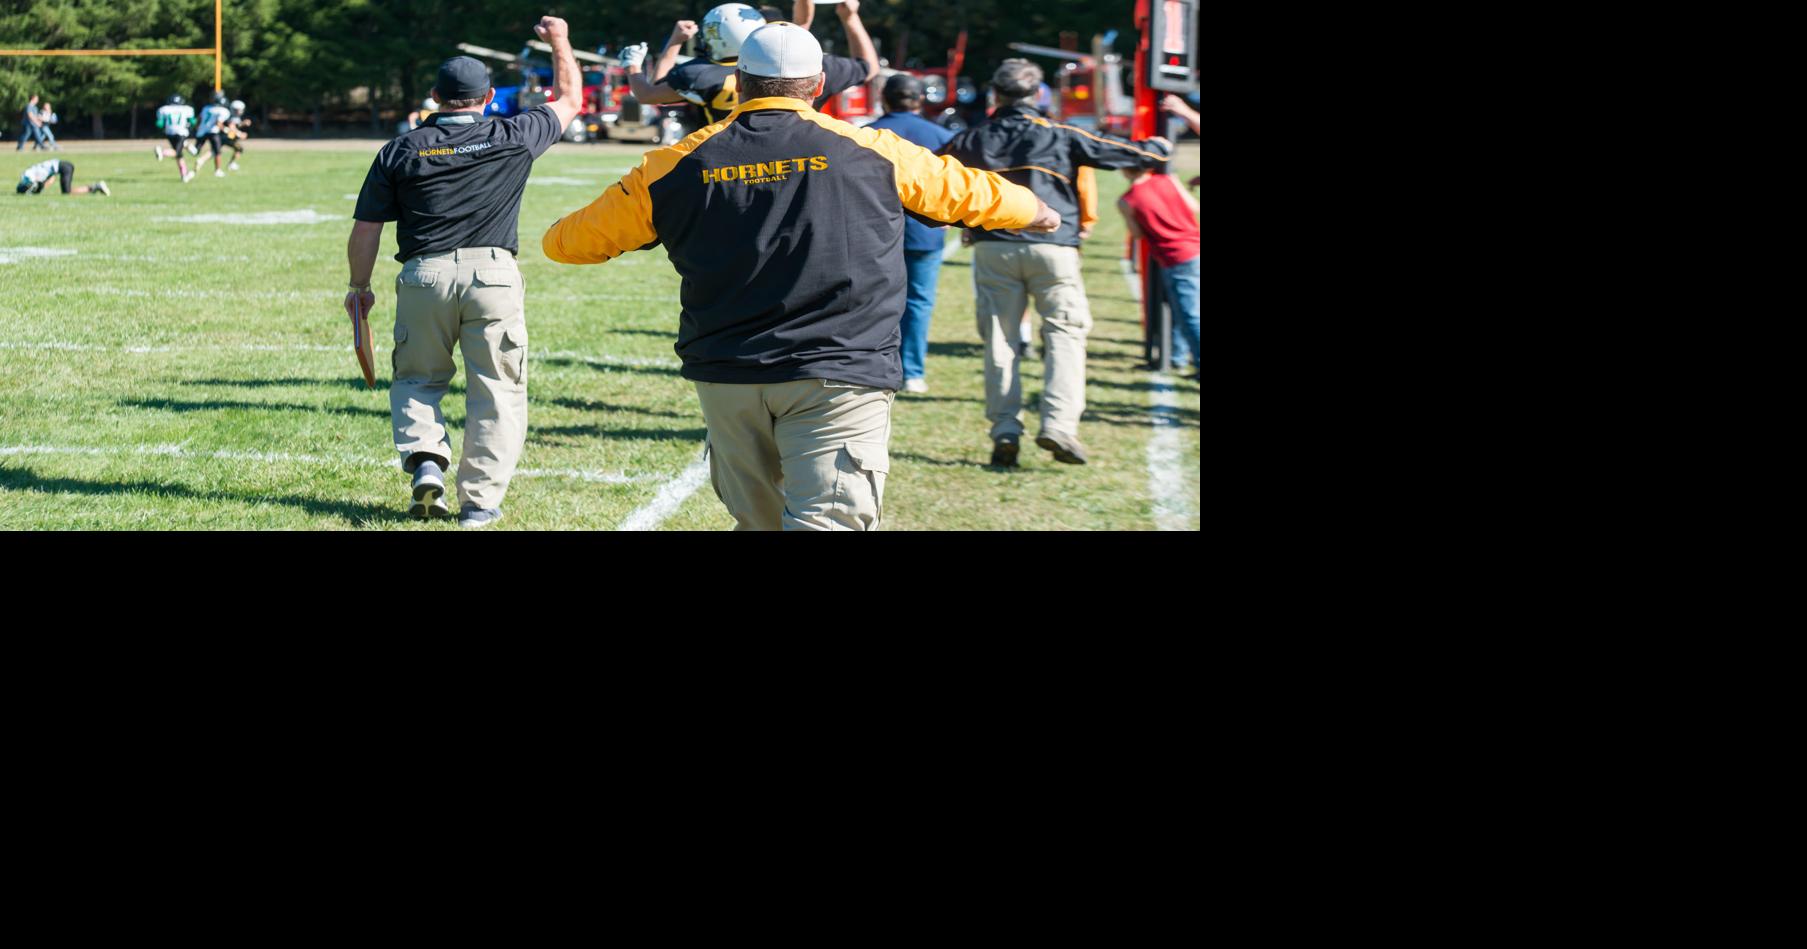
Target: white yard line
[259,218]
[178,293]
[670,497]
[1165,484]
[283,457]
[605,362]
[952,246]
[1131,278]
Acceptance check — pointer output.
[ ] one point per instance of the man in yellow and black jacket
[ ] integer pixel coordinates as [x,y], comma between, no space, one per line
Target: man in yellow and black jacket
[1009,269]
[787,229]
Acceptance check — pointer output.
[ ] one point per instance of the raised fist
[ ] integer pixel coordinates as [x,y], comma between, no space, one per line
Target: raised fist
[632,56]
[551,27]
[683,31]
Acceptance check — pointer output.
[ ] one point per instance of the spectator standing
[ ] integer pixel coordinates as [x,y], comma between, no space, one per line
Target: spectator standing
[923,244]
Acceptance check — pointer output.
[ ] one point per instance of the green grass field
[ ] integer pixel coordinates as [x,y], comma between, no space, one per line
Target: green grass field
[160,373]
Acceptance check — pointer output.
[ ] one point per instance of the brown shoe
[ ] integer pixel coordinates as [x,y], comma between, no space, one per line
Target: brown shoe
[1003,451]
[1066,448]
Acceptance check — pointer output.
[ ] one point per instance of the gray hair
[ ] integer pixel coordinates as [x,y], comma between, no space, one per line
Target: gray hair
[761,87]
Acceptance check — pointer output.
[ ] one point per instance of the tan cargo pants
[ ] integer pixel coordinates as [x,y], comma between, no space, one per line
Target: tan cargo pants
[804,455]
[1006,275]
[472,298]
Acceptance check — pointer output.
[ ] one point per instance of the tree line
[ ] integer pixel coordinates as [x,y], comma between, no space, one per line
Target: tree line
[333,59]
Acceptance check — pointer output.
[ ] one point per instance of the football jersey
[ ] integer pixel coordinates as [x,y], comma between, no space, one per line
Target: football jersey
[212,118]
[715,86]
[41,172]
[175,119]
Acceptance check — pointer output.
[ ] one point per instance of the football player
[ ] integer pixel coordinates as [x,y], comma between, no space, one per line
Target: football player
[175,118]
[711,82]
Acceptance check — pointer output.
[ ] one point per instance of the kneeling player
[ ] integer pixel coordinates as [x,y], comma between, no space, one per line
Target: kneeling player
[36,176]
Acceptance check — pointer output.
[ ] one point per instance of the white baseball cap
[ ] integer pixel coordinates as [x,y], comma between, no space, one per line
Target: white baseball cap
[781,51]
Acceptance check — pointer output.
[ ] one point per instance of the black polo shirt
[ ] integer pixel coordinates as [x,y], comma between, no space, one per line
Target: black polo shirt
[457,180]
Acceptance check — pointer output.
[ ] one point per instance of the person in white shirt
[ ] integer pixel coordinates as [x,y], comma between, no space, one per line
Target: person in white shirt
[38,175]
[175,119]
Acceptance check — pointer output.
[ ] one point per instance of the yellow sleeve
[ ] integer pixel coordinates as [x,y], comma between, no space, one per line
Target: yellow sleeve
[615,223]
[939,187]
[1087,185]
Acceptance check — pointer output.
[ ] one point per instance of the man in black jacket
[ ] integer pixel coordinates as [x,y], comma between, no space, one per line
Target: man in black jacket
[787,227]
[1010,267]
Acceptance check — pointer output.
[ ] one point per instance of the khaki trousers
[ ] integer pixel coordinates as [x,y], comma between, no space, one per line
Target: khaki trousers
[472,298]
[1006,275]
[804,455]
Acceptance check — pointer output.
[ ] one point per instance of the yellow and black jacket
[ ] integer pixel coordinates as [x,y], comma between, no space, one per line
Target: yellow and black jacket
[787,229]
[1020,144]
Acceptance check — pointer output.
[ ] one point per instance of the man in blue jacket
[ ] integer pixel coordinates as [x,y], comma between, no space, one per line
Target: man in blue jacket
[922,243]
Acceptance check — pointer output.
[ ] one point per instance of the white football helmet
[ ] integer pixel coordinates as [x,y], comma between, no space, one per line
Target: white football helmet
[726,27]
[238,105]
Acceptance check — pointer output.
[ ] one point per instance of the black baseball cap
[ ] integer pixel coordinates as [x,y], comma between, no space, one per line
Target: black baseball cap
[462,77]
[902,89]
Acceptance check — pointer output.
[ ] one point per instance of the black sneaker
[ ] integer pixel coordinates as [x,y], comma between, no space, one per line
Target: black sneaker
[1003,451]
[1066,448]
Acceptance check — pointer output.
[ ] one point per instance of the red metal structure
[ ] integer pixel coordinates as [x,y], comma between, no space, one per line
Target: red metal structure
[1142,125]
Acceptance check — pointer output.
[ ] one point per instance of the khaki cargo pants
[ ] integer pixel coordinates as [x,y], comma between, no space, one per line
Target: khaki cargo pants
[808,455]
[471,298]
[1006,275]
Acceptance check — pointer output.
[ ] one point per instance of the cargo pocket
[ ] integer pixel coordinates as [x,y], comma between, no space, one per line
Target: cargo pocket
[715,478]
[401,336]
[417,278]
[860,487]
[495,277]
[514,353]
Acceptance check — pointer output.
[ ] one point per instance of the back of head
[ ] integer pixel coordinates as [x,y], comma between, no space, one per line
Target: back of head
[177,100]
[462,82]
[780,59]
[1016,79]
[726,28]
[903,93]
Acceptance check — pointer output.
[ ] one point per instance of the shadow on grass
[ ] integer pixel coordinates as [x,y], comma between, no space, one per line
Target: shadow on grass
[356,385]
[171,405]
[1107,404]
[545,434]
[591,405]
[23,479]
[905,398]
[671,334]
[1131,386]
[963,350]
[1134,413]
[565,361]
[980,462]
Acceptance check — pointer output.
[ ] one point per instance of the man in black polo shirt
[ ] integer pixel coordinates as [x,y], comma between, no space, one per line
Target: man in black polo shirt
[454,188]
